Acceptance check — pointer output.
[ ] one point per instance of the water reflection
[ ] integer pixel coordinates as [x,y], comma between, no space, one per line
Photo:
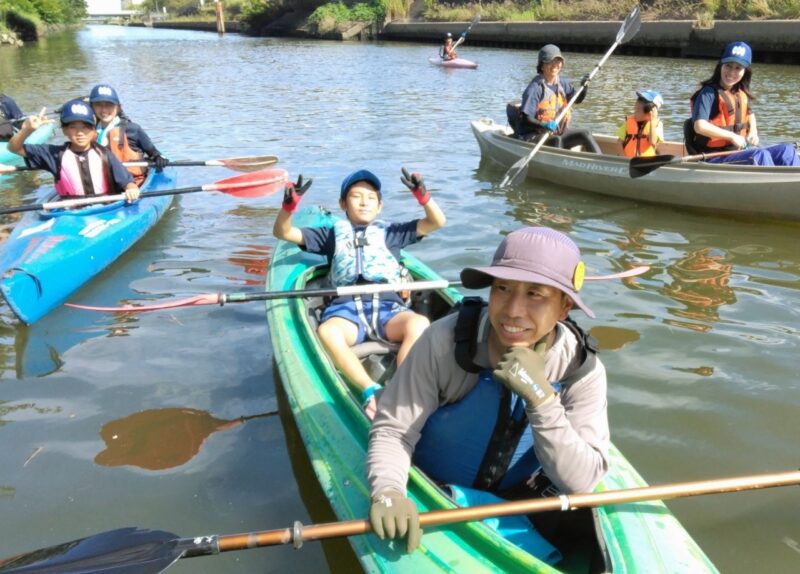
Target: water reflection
[254,260]
[158,439]
[700,282]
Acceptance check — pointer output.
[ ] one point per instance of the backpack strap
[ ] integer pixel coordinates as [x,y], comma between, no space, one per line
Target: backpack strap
[466,333]
[588,349]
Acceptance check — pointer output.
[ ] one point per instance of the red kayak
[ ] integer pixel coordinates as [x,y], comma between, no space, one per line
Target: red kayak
[457,63]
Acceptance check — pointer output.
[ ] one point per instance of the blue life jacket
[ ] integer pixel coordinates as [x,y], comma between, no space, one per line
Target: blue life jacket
[362,254]
[484,440]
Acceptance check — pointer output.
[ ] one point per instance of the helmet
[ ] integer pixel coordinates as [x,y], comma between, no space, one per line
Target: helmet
[651,96]
[104,93]
[77,111]
[738,52]
[360,175]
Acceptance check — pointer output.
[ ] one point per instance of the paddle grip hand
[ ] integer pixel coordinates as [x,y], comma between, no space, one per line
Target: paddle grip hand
[394,515]
[293,193]
[160,162]
[551,126]
[415,183]
[586,79]
[522,370]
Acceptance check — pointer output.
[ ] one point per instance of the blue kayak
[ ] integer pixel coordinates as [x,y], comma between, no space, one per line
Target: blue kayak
[50,255]
[40,136]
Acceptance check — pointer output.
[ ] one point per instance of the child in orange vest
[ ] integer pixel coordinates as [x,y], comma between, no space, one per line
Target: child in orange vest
[642,131]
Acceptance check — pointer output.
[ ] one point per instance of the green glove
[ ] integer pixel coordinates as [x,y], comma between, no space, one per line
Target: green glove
[522,370]
[394,515]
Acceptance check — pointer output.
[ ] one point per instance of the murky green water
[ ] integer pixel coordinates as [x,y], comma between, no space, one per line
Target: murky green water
[166,420]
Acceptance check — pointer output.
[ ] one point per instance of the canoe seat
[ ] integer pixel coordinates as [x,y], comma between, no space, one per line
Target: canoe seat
[367,348]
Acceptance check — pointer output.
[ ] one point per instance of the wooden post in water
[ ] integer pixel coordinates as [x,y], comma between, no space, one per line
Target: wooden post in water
[219,10]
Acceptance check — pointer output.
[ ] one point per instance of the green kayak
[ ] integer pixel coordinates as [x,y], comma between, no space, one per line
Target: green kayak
[639,537]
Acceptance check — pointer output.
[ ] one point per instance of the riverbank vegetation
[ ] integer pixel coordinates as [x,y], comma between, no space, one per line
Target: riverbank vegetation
[554,10]
[29,18]
[258,12]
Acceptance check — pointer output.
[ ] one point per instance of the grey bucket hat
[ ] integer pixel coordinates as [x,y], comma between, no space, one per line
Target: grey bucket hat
[549,53]
[534,255]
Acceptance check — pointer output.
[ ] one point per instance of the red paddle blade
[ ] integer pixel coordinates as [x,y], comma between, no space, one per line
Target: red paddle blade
[621,275]
[254,184]
[194,301]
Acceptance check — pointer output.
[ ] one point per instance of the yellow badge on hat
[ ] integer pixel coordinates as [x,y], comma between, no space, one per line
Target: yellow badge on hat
[578,275]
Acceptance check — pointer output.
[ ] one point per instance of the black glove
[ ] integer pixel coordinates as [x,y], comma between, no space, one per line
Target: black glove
[585,80]
[293,193]
[160,162]
[415,183]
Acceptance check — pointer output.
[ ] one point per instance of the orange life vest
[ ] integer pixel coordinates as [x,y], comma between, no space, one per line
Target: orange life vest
[733,115]
[551,104]
[118,145]
[637,138]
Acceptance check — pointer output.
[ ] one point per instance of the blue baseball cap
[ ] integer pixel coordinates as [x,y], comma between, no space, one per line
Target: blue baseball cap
[738,52]
[651,96]
[360,175]
[77,111]
[104,93]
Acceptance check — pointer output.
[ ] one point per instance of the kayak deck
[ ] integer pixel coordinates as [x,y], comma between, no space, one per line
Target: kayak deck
[50,255]
[642,537]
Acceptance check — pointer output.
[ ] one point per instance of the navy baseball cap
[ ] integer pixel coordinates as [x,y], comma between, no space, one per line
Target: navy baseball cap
[77,111]
[360,175]
[738,52]
[104,93]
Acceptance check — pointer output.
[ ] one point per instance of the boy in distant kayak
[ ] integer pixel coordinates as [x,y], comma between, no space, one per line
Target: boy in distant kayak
[642,131]
[364,250]
[81,166]
[448,51]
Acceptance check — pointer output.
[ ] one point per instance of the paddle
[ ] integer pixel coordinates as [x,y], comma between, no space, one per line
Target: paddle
[349,290]
[245,164]
[640,166]
[255,184]
[627,31]
[463,37]
[132,550]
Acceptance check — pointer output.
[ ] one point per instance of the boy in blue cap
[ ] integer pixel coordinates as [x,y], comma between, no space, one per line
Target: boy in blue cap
[126,139]
[80,166]
[642,131]
[723,118]
[362,249]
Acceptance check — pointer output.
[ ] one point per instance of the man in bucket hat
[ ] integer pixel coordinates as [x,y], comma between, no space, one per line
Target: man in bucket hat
[507,398]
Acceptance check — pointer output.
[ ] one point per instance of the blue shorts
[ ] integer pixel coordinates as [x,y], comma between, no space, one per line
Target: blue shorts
[347,310]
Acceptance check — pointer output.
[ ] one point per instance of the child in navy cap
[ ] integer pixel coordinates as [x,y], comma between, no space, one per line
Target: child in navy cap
[723,118]
[80,166]
[362,249]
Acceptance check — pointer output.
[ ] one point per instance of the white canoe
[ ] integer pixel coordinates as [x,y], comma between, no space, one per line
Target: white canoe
[746,189]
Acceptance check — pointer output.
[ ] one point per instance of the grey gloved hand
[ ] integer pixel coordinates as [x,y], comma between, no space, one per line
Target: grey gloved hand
[522,370]
[394,515]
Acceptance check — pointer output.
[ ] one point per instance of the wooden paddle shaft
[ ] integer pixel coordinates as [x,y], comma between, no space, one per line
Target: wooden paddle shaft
[299,534]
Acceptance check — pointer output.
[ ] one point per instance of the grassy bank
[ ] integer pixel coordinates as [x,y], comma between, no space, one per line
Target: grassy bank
[553,10]
[258,12]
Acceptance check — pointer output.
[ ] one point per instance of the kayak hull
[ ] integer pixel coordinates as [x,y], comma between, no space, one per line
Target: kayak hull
[641,537]
[460,63]
[50,255]
[40,136]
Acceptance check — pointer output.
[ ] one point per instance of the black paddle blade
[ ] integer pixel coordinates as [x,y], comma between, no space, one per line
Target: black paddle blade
[121,551]
[630,27]
[640,166]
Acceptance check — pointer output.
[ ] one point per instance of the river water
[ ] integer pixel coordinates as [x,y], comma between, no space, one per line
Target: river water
[167,420]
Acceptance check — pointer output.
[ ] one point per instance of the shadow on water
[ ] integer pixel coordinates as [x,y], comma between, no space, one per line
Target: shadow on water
[158,439]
